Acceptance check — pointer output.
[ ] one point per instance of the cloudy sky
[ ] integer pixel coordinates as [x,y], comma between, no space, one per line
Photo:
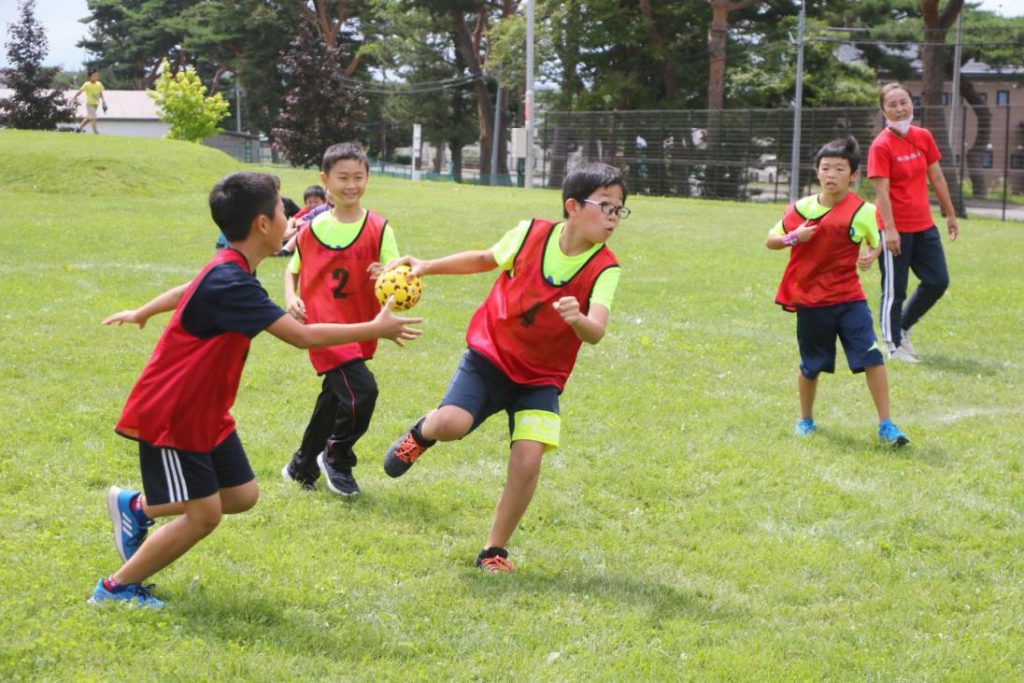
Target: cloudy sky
[63,30]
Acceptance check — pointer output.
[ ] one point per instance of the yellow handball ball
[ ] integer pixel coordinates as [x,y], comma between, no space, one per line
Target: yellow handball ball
[399,283]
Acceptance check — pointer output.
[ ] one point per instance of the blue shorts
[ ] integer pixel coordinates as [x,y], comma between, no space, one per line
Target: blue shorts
[816,332]
[481,389]
[173,476]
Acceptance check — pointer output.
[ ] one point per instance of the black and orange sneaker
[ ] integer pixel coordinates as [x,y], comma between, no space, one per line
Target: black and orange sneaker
[405,450]
[495,561]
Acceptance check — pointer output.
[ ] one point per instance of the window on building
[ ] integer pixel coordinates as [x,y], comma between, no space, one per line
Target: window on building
[1002,97]
[945,98]
[1017,162]
[986,158]
[916,100]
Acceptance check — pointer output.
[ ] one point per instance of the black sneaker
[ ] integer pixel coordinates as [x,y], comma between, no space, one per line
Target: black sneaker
[340,481]
[288,473]
[404,452]
[495,561]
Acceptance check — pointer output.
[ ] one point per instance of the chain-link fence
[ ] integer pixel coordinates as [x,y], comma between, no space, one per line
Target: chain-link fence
[738,154]
[745,154]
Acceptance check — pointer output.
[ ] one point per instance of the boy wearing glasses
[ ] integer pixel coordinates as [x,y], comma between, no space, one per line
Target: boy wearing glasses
[555,291]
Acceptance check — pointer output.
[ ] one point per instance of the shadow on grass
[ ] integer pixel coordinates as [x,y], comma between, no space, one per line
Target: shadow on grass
[917,450]
[963,365]
[664,601]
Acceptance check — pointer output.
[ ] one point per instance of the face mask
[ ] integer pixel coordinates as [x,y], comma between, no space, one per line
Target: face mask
[900,127]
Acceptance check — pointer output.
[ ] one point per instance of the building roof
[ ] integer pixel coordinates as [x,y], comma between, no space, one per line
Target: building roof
[124,105]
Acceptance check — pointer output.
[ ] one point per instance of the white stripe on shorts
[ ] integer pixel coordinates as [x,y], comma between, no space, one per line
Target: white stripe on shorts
[177,490]
[888,294]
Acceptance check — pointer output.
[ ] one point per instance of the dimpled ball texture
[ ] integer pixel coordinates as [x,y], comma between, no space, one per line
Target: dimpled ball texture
[399,283]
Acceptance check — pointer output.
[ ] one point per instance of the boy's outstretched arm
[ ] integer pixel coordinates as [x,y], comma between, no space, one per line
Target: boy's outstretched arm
[589,328]
[386,325]
[164,302]
[462,263]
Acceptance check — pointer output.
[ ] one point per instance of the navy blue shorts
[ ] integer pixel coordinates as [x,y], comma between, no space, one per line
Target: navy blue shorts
[481,389]
[816,332]
[173,476]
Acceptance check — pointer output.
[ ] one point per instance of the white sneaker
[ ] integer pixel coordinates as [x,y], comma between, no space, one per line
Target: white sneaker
[905,343]
[900,353]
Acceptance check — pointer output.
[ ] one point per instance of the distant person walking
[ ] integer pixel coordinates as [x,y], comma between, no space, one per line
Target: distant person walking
[902,160]
[93,90]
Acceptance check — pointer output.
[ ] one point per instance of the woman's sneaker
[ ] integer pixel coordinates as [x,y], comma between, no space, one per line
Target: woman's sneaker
[891,434]
[906,344]
[495,561]
[901,353]
[134,594]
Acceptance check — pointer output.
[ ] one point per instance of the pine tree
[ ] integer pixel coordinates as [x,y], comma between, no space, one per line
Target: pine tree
[36,104]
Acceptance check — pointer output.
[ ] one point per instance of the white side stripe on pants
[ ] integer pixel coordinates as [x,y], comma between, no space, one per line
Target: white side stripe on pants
[888,294]
[177,490]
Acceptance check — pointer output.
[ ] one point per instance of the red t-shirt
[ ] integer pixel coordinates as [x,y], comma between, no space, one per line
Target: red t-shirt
[905,162]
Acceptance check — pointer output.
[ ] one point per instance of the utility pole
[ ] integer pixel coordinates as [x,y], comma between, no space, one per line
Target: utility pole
[794,166]
[494,136]
[954,99]
[528,113]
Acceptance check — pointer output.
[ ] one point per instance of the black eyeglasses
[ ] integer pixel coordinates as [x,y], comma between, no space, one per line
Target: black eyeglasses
[610,209]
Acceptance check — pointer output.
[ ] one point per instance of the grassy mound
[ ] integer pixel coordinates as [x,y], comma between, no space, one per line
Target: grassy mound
[60,163]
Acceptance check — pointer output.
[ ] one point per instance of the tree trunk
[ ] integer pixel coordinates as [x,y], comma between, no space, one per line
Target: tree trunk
[982,138]
[484,105]
[933,77]
[720,10]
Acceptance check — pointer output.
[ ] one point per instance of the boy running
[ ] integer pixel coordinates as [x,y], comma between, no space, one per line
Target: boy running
[554,292]
[331,279]
[193,464]
[825,233]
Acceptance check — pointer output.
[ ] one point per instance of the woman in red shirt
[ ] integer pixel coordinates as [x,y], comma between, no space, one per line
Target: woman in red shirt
[902,160]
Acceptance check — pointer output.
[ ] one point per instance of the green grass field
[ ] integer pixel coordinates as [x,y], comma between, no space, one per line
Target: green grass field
[681,532]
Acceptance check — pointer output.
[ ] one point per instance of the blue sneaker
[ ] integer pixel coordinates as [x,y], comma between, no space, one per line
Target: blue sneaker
[805,427]
[129,532]
[135,594]
[891,434]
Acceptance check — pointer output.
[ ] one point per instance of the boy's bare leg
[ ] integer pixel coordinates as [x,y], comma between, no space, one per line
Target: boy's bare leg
[446,423]
[878,385]
[523,474]
[808,390]
[172,540]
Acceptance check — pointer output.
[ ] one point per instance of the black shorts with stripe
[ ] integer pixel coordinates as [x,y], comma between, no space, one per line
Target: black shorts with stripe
[172,476]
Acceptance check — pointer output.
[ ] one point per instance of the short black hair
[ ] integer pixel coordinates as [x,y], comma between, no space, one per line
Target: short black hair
[91,71]
[586,179]
[342,151]
[236,200]
[314,191]
[845,148]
